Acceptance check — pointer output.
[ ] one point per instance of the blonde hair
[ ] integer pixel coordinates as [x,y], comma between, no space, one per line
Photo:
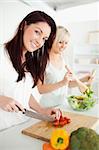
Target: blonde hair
[61,33]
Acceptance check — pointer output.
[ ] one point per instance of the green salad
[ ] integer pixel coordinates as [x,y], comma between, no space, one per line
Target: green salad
[82,102]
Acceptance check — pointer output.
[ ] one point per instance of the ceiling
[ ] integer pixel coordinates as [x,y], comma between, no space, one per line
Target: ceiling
[62,4]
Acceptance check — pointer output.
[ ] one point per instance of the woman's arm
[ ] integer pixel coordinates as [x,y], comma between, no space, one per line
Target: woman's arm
[45,88]
[86,78]
[33,104]
[48,111]
[72,84]
[9,104]
[89,78]
[79,84]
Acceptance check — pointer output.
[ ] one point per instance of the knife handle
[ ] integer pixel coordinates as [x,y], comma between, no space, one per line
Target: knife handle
[20,109]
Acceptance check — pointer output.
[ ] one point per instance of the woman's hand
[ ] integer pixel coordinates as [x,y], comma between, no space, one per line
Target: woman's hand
[9,104]
[91,77]
[67,78]
[55,113]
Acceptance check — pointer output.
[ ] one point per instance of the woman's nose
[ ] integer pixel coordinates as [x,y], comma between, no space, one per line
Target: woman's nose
[63,45]
[40,41]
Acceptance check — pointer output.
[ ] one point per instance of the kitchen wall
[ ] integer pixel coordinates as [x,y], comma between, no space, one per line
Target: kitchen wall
[12,12]
[80,34]
[79,21]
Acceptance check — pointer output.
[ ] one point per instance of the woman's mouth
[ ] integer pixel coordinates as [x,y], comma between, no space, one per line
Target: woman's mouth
[33,45]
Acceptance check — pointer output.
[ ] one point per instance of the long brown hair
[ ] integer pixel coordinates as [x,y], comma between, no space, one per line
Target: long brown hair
[35,62]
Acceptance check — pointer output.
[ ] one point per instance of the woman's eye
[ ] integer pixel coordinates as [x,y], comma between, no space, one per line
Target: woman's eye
[37,32]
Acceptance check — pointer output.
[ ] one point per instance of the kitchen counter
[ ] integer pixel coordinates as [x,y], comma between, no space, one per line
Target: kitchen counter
[13,139]
[91,112]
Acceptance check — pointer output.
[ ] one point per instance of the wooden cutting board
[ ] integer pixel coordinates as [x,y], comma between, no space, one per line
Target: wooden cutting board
[43,129]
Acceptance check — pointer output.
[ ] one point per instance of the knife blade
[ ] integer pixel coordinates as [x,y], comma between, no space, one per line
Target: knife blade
[38,116]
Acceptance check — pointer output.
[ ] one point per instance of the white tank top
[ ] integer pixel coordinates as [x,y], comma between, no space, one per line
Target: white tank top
[54,75]
[19,91]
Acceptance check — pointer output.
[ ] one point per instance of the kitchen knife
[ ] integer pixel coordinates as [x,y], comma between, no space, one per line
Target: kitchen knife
[38,116]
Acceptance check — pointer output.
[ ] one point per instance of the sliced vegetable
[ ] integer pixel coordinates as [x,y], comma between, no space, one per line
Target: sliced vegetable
[62,121]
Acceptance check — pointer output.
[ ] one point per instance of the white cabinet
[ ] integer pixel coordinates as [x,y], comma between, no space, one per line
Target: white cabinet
[86,62]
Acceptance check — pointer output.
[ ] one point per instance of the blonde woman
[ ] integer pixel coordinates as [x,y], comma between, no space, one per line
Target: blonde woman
[58,77]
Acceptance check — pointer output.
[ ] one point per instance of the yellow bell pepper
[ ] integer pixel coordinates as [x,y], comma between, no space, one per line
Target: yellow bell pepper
[59,139]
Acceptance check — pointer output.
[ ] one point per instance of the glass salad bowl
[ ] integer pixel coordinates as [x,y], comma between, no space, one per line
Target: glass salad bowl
[82,102]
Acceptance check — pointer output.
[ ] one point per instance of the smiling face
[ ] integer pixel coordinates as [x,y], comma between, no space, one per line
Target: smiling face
[61,41]
[35,36]
[59,46]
